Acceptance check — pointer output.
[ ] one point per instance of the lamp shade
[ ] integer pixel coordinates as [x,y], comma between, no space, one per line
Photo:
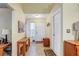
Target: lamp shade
[2,36]
[4,31]
[76,26]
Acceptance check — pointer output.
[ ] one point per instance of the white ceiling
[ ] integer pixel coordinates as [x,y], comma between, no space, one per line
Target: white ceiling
[36,7]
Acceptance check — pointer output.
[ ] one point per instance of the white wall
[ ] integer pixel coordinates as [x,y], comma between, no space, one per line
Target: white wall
[17,14]
[70,15]
[6,21]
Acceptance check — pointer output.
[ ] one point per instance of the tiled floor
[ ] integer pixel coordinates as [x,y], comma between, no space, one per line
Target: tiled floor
[36,50]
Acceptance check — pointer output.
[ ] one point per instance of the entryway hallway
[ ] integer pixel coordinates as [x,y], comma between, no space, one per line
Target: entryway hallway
[56,21]
[36,21]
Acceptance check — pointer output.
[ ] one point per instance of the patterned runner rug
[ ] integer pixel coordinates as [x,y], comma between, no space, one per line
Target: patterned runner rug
[49,52]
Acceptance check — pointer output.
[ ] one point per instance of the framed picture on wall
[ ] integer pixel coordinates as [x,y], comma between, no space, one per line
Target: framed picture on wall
[20,27]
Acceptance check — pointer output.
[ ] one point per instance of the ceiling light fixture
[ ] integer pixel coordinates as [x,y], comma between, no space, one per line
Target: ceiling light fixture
[37,15]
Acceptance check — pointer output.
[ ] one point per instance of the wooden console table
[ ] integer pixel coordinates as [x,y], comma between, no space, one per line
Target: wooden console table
[71,48]
[2,47]
[21,47]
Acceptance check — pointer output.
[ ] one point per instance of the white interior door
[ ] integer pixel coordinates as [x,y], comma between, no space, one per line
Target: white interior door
[57,32]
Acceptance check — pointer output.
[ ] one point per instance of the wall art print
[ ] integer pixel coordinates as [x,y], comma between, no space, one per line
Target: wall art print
[20,27]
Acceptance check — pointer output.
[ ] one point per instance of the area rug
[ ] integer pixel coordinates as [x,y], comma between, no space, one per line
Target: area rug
[49,52]
[39,42]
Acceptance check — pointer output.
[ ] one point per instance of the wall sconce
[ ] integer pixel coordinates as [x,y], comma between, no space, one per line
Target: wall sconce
[48,24]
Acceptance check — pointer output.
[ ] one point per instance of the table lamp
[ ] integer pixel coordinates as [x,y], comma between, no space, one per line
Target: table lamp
[5,33]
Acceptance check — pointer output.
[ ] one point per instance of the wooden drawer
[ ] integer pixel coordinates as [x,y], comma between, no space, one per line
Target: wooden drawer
[1,52]
[77,50]
[71,48]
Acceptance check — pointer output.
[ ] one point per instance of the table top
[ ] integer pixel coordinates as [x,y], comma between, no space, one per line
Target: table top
[4,45]
[22,40]
[75,42]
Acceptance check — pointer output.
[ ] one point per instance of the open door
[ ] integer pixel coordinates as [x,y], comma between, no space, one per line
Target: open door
[57,32]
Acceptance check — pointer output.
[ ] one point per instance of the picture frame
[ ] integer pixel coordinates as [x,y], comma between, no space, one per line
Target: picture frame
[20,27]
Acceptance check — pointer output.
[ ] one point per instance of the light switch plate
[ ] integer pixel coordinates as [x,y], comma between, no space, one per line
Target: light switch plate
[67,30]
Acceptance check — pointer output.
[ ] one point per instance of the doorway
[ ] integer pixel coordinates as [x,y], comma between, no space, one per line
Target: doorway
[35,30]
[57,32]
